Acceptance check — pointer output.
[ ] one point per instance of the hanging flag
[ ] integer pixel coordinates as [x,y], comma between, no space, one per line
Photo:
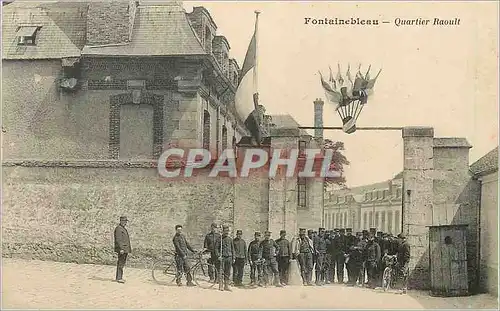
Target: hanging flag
[247,96]
[333,97]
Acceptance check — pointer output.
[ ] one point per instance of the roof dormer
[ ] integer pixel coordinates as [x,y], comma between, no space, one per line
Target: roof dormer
[204,26]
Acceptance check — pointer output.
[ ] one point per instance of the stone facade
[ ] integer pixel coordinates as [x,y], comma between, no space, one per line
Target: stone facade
[75,159]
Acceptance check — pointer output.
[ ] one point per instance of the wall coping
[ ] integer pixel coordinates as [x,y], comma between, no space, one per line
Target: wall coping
[451,142]
[418,131]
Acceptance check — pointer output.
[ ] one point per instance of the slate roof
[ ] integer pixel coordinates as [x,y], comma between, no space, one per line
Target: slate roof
[158,31]
[487,164]
[52,40]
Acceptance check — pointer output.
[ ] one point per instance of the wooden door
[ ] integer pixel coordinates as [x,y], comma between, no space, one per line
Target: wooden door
[454,259]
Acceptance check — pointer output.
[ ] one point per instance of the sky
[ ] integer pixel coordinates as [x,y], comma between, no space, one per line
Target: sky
[445,77]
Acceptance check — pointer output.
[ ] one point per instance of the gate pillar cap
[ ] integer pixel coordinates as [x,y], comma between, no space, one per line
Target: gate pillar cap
[418,131]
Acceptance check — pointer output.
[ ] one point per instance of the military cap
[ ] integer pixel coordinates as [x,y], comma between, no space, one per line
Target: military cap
[225,227]
[239,232]
[214,225]
[379,233]
[336,230]
[402,236]
[310,231]
[267,232]
[364,231]
[123,218]
[302,230]
[257,233]
[342,230]
[282,232]
[348,230]
[321,229]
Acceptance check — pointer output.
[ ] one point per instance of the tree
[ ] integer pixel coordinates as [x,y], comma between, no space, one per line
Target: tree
[338,161]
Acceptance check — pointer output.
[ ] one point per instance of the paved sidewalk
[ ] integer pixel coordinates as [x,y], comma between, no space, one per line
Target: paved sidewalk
[41,284]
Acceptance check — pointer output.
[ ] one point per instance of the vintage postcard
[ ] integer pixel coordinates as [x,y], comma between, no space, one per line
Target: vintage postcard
[249,154]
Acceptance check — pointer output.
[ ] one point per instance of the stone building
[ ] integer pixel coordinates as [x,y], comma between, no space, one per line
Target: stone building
[376,205]
[485,172]
[93,93]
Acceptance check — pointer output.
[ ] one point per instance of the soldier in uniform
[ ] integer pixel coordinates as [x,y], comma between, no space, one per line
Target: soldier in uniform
[363,242]
[373,257]
[181,247]
[304,253]
[209,245]
[254,258]
[320,244]
[122,247]
[268,250]
[225,255]
[340,252]
[354,263]
[240,258]
[333,254]
[350,241]
[284,254]
[328,257]
[380,270]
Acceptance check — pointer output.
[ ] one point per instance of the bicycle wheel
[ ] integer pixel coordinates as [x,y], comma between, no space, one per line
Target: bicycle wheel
[164,272]
[201,276]
[387,279]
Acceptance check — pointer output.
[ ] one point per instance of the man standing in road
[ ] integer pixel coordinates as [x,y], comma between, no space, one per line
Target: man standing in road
[254,259]
[320,248]
[181,247]
[268,250]
[240,254]
[122,247]
[226,257]
[209,245]
[372,260]
[340,252]
[283,257]
[303,251]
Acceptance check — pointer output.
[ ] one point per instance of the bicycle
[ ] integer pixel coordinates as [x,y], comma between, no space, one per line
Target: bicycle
[164,271]
[388,277]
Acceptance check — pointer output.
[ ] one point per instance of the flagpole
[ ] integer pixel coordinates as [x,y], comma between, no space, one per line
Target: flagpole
[255,75]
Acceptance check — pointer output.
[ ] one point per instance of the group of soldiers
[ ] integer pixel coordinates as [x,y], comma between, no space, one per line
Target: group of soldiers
[326,252]
[329,252]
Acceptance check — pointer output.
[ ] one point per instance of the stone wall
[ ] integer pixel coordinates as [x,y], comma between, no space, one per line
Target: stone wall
[489,234]
[69,214]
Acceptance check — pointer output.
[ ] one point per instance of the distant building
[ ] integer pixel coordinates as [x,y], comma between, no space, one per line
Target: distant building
[376,205]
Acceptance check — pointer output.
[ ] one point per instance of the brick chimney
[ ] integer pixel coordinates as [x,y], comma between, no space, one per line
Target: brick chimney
[110,22]
[318,117]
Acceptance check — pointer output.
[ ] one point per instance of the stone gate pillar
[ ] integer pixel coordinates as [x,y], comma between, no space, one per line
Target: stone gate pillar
[417,200]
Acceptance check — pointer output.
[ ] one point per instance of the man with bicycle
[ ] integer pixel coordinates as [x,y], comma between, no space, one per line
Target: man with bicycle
[182,246]
[403,260]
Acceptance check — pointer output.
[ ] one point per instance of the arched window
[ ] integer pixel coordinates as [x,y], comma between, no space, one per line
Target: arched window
[206,130]
[224,138]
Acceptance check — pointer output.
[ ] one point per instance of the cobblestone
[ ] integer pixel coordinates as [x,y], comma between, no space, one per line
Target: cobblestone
[44,284]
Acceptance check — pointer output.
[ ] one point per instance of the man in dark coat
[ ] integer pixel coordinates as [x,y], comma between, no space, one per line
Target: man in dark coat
[240,258]
[284,254]
[328,257]
[181,247]
[362,244]
[254,259]
[226,257]
[209,245]
[320,245]
[373,257]
[122,247]
[350,241]
[354,263]
[268,250]
[340,252]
